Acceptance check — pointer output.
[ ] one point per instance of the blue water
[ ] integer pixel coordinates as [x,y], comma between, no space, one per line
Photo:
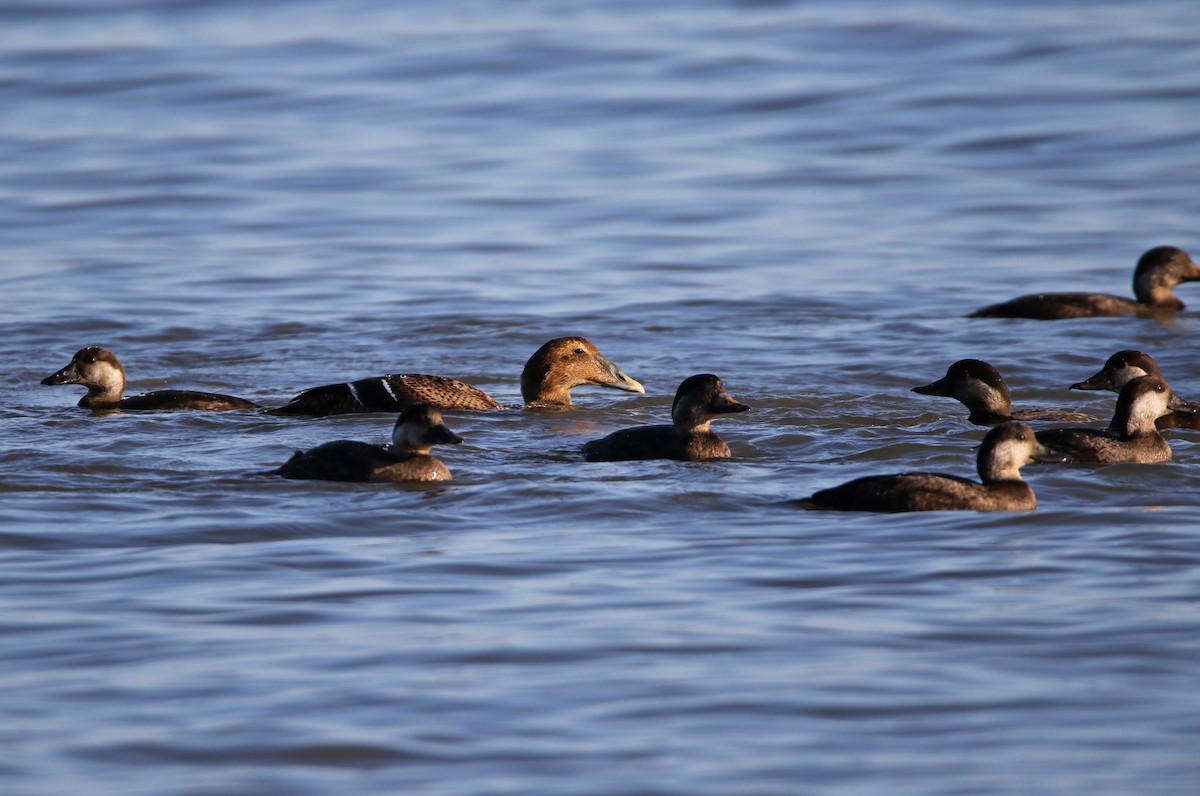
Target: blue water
[803,198]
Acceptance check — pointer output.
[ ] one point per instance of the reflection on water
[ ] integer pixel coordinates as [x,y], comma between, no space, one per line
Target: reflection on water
[801,198]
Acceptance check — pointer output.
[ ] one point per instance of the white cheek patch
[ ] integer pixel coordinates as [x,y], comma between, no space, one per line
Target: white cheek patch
[1004,461]
[1008,459]
[1129,373]
[1147,408]
[979,392]
[107,376]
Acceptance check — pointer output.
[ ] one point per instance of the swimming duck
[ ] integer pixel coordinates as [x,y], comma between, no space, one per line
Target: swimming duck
[1158,272]
[418,428]
[1130,437]
[697,401]
[99,370]
[1003,452]
[1125,365]
[980,387]
[546,381]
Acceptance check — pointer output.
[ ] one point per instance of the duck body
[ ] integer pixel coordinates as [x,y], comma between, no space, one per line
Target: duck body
[1124,366]
[1004,450]
[979,387]
[656,442]
[926,492]
[1105,446]
[690,437]
[1132,436]
[393,392]
[1158,271]
[176,399]
[351,460]
[101,372]
[546,381]
[1060,306]
[414,434]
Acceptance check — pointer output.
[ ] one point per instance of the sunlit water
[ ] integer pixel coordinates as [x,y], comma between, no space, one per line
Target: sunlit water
[803,198]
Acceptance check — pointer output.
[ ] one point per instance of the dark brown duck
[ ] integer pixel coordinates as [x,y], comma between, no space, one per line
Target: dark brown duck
[690,437]
[1123,366]
[1131,436]
[414,434]
[1003,452]
[983,391]
[99,370]
[1158,272]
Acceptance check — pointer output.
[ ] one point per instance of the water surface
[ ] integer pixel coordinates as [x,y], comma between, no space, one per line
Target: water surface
[803,198]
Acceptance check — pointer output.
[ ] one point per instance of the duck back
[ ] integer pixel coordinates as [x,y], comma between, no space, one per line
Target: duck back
[340,460]
[656,442]
[182,399]
[391,393]
[1059,306]
[1106,446]
[925,492]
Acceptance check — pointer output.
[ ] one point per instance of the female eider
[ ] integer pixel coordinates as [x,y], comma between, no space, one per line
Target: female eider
[1158,272]
[981,389]
[416,431]
[546,381]
[690,437]
[1004,450]
[97,369]
[1125,365]
[1130,437]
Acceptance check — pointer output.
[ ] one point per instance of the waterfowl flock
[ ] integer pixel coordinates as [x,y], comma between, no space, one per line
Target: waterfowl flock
[1145,406]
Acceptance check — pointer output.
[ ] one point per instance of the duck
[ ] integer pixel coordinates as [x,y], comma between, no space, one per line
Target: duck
[981,388]
[418,428]
[698,400]
[100,371]
[1131,436]
[1005,449]
[1129,364]
[1158,271]
[546,382]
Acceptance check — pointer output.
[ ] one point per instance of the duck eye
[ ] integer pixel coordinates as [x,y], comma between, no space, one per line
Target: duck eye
[580,350]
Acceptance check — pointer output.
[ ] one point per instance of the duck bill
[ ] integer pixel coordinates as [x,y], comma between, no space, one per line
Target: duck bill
[938,387]
[620,380]
[1098,382]
[1177,404]
[1043,454]
[440,435]
[68,375]
[726,405]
